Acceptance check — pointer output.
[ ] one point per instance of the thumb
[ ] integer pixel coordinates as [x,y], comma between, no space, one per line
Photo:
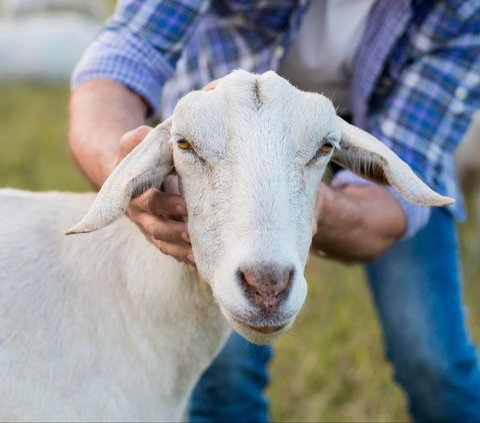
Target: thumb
[132,138]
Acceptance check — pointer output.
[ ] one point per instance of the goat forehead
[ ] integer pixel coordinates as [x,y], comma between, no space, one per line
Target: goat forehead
[270,96]
[258,108]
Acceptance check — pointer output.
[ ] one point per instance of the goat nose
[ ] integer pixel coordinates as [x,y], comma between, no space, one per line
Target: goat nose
[266,285]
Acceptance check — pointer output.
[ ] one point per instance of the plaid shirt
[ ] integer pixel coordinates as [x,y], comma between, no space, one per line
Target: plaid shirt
[415,78]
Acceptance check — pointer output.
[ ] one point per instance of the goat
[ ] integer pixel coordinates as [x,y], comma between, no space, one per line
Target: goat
[103,326]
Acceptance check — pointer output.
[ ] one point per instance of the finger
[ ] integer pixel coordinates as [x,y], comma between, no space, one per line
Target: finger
[314,227]
[160,203]
[132,138]
[170,184]
[180,252]
[162,229]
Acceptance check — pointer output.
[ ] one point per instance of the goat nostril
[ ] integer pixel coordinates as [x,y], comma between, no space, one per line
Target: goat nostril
[290,274]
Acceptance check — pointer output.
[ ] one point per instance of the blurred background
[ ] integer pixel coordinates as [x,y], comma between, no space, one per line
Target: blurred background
[330,366]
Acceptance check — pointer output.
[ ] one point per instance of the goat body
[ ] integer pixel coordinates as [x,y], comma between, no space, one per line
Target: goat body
[87,327]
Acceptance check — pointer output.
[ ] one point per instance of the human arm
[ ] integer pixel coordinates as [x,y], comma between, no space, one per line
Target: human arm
[106,122]
[101,112]
[116,85]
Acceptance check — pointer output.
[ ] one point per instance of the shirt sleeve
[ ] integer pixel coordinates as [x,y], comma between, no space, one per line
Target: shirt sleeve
[417,216]
[140,45]
[429,93]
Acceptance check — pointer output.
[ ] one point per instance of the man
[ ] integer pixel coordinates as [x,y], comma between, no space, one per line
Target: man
[415,83]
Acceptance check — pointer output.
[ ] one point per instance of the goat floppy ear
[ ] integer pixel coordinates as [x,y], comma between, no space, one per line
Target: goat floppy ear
[366,156]
[143,168]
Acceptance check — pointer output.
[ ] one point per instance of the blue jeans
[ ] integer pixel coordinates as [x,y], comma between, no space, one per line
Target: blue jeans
[416,289]
[231,389]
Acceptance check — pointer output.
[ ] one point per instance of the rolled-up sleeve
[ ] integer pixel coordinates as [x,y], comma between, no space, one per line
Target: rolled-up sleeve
[140,45]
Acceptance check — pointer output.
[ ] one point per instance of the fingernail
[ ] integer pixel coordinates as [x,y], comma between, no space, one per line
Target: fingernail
[181,210]
[190,257]
[185,236]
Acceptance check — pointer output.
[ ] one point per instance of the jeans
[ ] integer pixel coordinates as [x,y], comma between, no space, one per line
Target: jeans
[231,389]
[416,289]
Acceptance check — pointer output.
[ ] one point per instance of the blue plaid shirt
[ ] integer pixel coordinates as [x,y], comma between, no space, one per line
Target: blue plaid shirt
[415,78]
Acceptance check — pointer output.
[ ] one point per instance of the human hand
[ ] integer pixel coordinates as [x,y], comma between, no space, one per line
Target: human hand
[159,213]
[355,222]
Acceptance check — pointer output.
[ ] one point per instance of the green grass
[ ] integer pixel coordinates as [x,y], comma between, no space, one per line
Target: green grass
[33,151]
[330,366]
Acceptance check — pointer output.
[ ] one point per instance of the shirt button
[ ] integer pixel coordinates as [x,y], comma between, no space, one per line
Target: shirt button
[387,82]
[279,52]
[461,93]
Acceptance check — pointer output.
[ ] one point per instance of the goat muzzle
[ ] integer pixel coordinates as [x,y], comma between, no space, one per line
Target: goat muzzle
[267,285]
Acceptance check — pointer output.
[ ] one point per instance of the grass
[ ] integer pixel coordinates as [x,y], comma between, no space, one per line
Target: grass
[333,358]
[330,366]
[33,151]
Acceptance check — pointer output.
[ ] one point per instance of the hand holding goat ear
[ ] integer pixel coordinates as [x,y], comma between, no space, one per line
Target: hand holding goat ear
[152,160]
[159,213]
[141,328]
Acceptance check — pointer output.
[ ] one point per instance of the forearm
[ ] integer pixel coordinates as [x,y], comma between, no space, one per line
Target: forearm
[101,112]
[357,222]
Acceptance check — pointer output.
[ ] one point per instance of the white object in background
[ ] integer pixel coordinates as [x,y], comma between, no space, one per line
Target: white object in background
[467,158]
[468,153]
[96,9]
[44,46]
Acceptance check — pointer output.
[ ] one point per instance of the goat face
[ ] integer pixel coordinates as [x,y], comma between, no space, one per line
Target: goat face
[250,151]
[249,167]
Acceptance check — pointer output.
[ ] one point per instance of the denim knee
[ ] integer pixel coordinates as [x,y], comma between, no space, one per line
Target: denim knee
[416,287]
[440,388]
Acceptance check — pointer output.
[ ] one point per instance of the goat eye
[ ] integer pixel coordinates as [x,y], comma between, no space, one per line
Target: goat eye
[184,144]
[326,148]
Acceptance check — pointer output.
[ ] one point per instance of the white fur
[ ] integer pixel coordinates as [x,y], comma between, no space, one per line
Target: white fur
[103,326]
[97,327]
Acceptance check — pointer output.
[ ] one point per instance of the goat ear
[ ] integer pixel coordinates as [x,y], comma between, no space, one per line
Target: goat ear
[144,167]
[366,156]
[211,85]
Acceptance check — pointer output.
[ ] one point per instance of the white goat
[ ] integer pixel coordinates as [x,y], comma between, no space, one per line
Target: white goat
[105,327]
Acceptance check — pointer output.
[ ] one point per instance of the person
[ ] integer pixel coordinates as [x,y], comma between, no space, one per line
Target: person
[411,69]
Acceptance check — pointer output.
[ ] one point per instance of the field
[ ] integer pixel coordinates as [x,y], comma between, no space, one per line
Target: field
[330,366]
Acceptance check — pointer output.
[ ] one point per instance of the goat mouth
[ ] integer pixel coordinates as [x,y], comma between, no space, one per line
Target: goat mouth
[266,329]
